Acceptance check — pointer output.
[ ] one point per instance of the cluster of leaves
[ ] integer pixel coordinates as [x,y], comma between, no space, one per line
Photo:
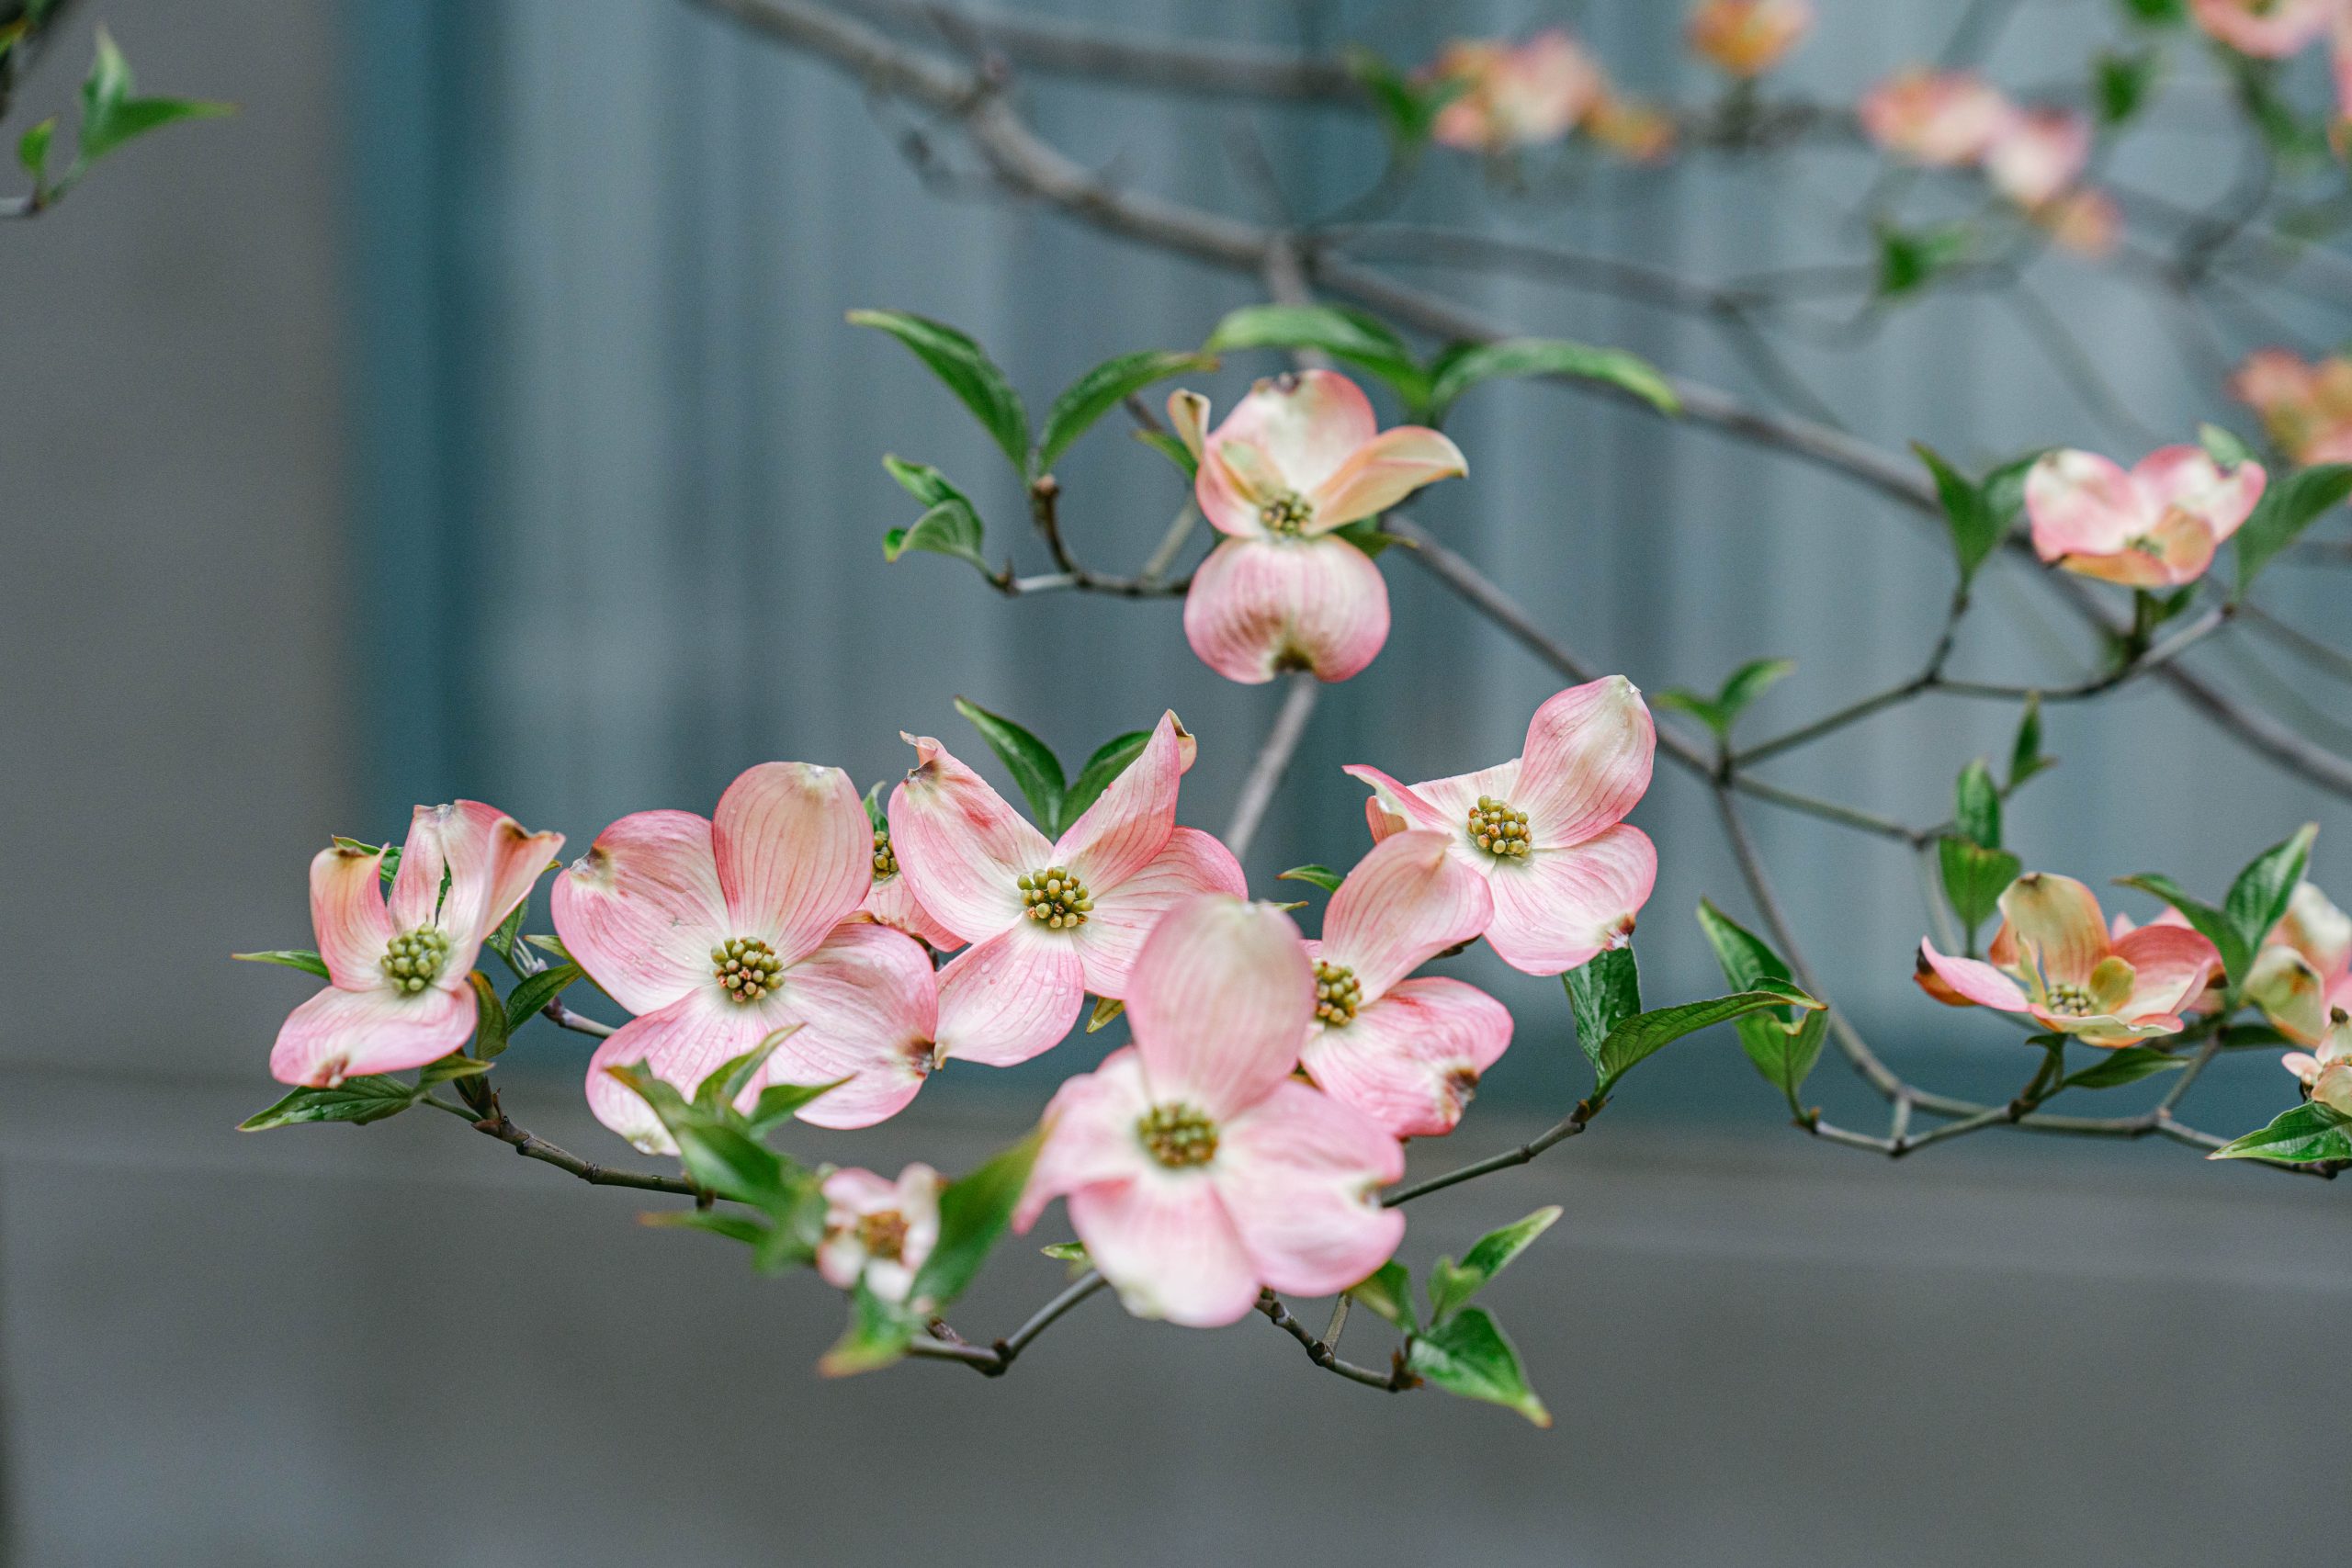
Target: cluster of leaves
[2256,901]
[1616,1035]
[1740,688]
[1976,869]
[112,115]
[1055,800]
[1460,1348]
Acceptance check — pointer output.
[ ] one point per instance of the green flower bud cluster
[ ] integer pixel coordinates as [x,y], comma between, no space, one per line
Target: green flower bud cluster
[1498,830]
[749,969]
[1338,994]
[412,960]
[885,858]
[1053,898]
[1287,514]
[1178,1135]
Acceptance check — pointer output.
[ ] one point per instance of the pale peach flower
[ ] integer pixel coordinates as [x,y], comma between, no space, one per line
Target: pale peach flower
[878,1232]
[1939,119]
[2155,526]
[1746,38]
[1514,95]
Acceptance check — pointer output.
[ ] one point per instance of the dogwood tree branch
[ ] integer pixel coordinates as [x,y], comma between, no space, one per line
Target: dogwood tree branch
[1274,761]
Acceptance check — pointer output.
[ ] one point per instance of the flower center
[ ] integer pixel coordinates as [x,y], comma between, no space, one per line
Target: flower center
[747,966]
[885,858]
[412,960]
[883,1234]
[1338,994]
[1498,830]
[1287,514]
[1053,898]
[2070,1002]
[1178,1135]
[2146,545]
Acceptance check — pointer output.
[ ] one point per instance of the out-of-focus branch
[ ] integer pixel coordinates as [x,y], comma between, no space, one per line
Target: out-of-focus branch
[1274,761]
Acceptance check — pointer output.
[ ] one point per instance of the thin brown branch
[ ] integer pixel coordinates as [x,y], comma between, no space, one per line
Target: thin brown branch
[1274,761]
[1395,1381]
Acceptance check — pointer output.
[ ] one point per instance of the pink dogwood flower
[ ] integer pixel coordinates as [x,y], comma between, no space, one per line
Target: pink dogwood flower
[2306,406]
[1514,95]
[719,931]
[1745,39]
[1301,456]
[2039,156]
[2156,526]
[1406,1052]
[1547,829]
[1197,1170]
[2054,961]
[878,1231]
[2087,222]
[397,995]
[1047,921]
[2268,29]
[1938,119]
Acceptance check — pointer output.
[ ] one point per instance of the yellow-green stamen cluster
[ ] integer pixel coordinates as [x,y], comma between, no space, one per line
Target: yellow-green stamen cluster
[1055,898]
[1338,994]
[412,960]
[1287,514]
[2070,1002]
[885,858]
[748,968]
[1498,830]
[883,1234]
[1178,1135]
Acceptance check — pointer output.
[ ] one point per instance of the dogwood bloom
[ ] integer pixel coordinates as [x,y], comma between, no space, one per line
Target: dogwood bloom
[1406,1052]
[2327,1074]
[1547,829]
[1197,1170]
[2087,222]
[878,1231]
[2305,406]
[1939,119]
[1514,95]
[2156,526]
[397,995]
[2039,156]
[892,902]
[1047,921]
[1746,38]
[719,931]
[1301,456]
[1627,126]
[2269,30]
[2054,960]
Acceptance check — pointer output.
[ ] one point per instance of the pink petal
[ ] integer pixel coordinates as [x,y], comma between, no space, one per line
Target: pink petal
[1308,422]
[1168,1248]
[1301,1174]
[1556,909]
[2182,548]
[796,853]
[347,914]
[2170,963]
[416,886]
[1089,1135]
[2056,925]
[1192,862]
[680,1044]
[1586,762]
[2266,30]
[1188,416]
[1219,1002]
[2289,991]
[960,847]
[1403,806]
[2039,156]
[2188,478]
[1010,997]
[339,1034]
[2082,504]
[1129,822]
[2316,927]
[1410,1060]
[1259,607]
[1971,980]
[493,863]
[1382,472]
[893,903]
[1405,903]
[641,910]
[869,1006]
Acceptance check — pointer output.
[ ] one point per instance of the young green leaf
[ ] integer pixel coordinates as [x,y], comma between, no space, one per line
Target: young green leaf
[1073,1253]
[2119,84]
[779,1102]
[2225,445]
[2258,900]
[491,1028]
[968,372]
[1974,878]
[111,116]
[1784,1053]
[1602,993]
[1976,530]
[1637,1038]
[1109,759]
[2157,12]
[302,958]
[728,1222]
[2130,1065]
[1032,762]
[973,1212]
[33,152]
[952,528]
[1388,1290]
[2025,753]
[2209,923]
[1744,685]
[1106,1010]
[1462,370]
[1103,388]
[536,991]
[877,815]
[1322,876]
[1175,451]
[1976,806]
[1452,1285]
[720,1086]
[879,1334]
[2288,506]
[360,1099]
[449,1069]
[1361,340]
[1909,259]
[1467,1355]
[2308,1132]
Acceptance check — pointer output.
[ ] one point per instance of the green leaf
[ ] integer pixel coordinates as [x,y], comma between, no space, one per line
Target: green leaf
[2310,1132]
[968,373]
[1361,340]
[725,1222]
[1408,108]
[491,1028]
[720,1085]
[1106,1009]
[1388,1290]
[1072,1253]
[1032,762]
[1467,1355]
[2287,507]
[2121,84]
[1975,529]
[1602,993]
[2130,1065]
[1744,685]
[879,1334]
[730,1163]
[1976,806]
[1175,451]
[1639,1037]
[1453,1285]
[2209,923]
[536,991]
[1748,962]
[950,524]
[2025,753]
[877,815]
[455,1066]
[2258,900]
[973,1212]
[300,958]
[510,930]
[2224,446]
[1109,759]
[1549,356]
[550,945]
[1103,388]
[1785,1054]
[33,152]
[779,1102]
[1322,876]
[360,1099]
[1974,879]
[1909,259]
[1367,535]
[1706,709]
[2157,12]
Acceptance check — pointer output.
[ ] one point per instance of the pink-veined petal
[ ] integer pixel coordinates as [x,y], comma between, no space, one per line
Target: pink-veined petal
[1403,806]
[1260,606]
[960,847]
[641,910]
[1960,982]
[1089,1135]
[2289,991]
[1556,909]
[347,915]
[2056,926]
[2176,549]
[1010,997]
[2316,927]
[340,1035]
[1382,472]
[1587,761]
[795,851]
[1308,422]
[1190,862]
[416,886]
[492,862]
[893,903]
[1130,821]
[2170,966]
[1410,1060]
[679,1045]
[1188,416]
[2188,478]
[869,1006]
[2083,504]
[1165,1244]
[1301,1174]
[1405,903]
[1219,1002]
